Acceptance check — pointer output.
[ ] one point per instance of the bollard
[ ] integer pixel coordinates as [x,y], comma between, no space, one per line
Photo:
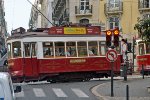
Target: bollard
[125,72]
[143,71]
[127,92]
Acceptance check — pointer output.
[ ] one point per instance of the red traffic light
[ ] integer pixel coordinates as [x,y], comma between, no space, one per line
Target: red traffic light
[108,38]
[116,37]
[108,32]
[116,32]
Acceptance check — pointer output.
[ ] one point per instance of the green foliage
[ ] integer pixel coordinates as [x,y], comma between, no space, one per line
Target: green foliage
[143,27]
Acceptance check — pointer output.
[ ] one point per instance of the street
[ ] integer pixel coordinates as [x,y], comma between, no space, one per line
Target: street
[58,91]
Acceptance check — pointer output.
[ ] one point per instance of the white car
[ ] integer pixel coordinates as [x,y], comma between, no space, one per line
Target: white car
[6,87]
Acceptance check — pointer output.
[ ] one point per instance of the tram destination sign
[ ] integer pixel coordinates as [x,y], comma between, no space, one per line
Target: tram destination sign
[93,30]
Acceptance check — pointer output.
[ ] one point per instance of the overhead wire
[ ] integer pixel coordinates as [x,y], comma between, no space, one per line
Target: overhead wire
[13,13]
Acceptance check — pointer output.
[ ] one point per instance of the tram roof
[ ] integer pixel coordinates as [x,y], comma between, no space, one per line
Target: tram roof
[45,34]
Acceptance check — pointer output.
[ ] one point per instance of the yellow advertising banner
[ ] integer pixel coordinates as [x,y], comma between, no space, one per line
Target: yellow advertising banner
[74,30]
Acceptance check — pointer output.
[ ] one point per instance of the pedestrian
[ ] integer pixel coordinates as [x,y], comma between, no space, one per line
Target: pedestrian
[124,49]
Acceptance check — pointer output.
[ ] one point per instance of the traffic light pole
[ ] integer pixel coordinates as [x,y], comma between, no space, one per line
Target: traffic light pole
[112,41]
[112,75]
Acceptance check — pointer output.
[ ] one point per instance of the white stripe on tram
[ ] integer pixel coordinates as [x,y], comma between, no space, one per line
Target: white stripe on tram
[39,92]
[59,92]
[79,93]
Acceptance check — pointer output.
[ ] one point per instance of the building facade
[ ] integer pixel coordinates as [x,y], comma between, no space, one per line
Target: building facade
[3,26]
[76,11]
[123,14]
[35,16]
[105,13]
[41,14]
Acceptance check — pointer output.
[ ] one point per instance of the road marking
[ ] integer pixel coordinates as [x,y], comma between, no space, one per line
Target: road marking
[39,92]
[79,93]
[59,92]
[19,94]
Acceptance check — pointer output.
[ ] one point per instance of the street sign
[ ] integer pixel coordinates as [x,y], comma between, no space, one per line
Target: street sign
[111,55]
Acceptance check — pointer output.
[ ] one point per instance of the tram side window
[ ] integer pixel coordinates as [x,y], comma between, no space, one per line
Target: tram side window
[59,49]
[9,50]
[92,48]
[33,49]
[148,48]
[102,48]
[27,49]
[71,49]
[82,49]
[16,47]
[141,49]
[48,49]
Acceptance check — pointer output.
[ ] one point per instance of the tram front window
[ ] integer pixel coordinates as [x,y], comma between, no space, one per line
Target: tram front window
[148,48]
[16,47]
[9,50]
[141,49]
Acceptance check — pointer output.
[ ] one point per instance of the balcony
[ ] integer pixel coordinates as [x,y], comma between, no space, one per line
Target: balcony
[87,12]
[116,8]
[143,6]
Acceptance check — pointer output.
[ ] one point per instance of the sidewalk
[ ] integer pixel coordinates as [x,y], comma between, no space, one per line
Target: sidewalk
[137,89]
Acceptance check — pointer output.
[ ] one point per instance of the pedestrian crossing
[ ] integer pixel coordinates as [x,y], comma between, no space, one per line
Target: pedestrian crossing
[39,92]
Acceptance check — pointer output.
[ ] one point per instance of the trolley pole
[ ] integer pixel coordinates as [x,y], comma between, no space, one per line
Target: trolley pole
[112,75]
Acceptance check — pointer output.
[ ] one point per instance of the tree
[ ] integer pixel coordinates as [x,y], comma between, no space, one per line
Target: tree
[143,27]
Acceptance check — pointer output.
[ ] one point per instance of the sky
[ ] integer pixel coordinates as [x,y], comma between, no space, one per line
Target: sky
[17,13]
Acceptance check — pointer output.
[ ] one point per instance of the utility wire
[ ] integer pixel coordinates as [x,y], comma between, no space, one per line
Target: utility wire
[41,13]
[13,6]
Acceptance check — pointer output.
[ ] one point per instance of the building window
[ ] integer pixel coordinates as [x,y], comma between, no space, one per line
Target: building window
[146,3]
[114,3]
[84,5]
[113,22]
[146,16]
[84,21]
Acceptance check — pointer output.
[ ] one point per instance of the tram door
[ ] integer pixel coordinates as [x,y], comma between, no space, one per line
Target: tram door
[30,59]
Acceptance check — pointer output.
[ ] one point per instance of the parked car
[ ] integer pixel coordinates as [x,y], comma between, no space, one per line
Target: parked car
[6,87]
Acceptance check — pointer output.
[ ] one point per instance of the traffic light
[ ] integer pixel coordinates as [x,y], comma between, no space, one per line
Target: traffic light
[108,38]
[116,37]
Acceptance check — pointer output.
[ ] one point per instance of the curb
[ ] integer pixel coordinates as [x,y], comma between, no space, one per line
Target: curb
[94,91]
[101,97]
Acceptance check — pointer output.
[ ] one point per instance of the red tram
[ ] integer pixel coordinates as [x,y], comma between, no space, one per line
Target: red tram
[59,54]
[143,56]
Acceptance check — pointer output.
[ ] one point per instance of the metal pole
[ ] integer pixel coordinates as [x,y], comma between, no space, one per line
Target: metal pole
[125,68]
[112,74]
[143,71]
[127,92]
[133,53]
